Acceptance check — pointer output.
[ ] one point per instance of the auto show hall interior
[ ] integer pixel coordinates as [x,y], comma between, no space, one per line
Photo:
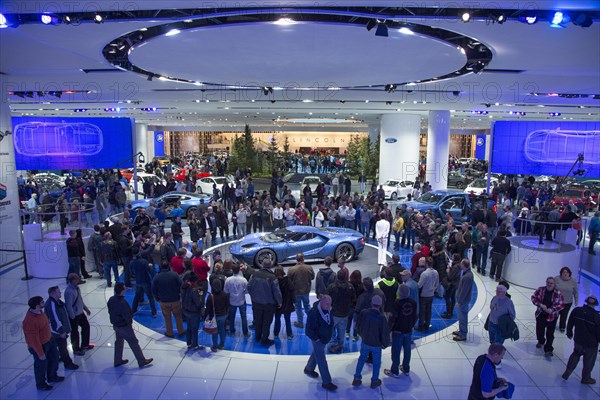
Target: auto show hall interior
[310,69]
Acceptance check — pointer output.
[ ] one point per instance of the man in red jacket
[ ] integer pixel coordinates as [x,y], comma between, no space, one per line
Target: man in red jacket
[40,344]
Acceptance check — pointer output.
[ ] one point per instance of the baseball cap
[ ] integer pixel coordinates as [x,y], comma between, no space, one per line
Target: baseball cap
[591,301]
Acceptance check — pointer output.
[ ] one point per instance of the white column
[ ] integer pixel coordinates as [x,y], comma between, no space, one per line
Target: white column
[399,149]
[10,224]
[150,148]
[141,139]
[438,145]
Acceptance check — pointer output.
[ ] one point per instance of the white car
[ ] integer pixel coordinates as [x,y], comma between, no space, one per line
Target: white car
[479,185]
[141,178]
[205,185]
[49,177]
[312,181]
[397,189]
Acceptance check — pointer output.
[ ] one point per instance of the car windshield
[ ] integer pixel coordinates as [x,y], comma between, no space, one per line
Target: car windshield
[220,181]
[280,235]
[430,198]
[479,183]
[390,183]
[570,193]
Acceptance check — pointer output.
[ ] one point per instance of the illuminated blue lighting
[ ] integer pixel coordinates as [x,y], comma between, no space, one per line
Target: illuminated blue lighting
[531,20]
[558,18]
[46,19]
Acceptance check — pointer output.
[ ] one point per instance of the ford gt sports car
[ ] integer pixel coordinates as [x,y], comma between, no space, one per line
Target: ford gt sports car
[189,201]
[283,244]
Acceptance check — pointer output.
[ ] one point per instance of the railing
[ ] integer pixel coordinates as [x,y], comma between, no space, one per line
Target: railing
[76,216]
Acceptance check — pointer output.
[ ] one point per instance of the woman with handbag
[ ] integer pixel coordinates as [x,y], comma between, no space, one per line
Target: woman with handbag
[192,302]
[499,306]
[217,308]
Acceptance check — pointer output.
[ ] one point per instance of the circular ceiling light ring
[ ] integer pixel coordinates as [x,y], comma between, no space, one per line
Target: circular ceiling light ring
[477,54]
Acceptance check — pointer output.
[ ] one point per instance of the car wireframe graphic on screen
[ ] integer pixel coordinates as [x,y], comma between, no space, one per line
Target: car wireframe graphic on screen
[58,139]
[562,147]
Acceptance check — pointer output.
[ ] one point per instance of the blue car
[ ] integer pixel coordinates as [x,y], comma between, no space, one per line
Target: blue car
[283,245]
[189,202]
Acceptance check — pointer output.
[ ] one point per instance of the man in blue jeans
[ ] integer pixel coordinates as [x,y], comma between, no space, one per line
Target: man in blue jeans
[463,298]
[237,287]
[373,328]
[319,327]
[404,317]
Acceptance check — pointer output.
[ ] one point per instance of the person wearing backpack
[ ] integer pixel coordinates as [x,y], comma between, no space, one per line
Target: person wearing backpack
[325,277]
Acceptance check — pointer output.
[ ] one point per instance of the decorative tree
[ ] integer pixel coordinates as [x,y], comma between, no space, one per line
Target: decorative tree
[286,145]
[272,154]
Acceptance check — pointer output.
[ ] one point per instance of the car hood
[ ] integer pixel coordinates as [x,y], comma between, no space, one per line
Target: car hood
[418,205]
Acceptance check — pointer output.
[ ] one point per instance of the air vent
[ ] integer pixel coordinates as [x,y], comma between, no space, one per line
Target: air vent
[100,70]
[503,71]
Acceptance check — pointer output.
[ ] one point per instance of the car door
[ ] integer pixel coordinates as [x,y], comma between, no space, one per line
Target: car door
[304,242]
[456,206]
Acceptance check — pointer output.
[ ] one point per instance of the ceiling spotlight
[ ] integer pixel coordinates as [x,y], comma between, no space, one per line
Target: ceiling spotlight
[80,110]
[272,101]
[390,88]
[406,31]
[371,24]
[48,19]
[465,16]
[173,32]
[382,30]
[456,93]
[98,18]
[529,19]
[29,95]
[284,22]
[150,76]
[557,20]
[554,114]
[266,90]
[3,22]
[388,103]
[501,18]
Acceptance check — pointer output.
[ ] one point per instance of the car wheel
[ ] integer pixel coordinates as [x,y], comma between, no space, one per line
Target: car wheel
[265,254]
[394,196]
[189,211]
[460,185]
[345,251]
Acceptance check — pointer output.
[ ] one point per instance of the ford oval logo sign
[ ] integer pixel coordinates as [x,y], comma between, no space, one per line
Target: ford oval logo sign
[391,140]
[160,137]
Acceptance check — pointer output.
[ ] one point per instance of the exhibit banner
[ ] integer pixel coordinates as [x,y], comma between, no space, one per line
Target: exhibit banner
[480,142]
[51,143]
[10,225]
[159,143]
[546,148]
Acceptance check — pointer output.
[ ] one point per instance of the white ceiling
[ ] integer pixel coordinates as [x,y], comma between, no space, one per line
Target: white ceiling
[36,57]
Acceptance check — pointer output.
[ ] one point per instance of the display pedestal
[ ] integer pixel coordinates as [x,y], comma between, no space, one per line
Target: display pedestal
[530,263]
[47,253]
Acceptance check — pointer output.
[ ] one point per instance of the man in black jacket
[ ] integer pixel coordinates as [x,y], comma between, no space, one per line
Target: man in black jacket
[500,249]
[168,249]
[319,327]
[404,318]
[109,255]
[165,288]
[266,297]
[143,281]
[121,318]
[342,297]
[125,242]
[586,322]
[60,326]
[374,332]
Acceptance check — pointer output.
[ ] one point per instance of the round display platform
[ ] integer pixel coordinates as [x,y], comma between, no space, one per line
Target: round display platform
[299,344]
[529,262]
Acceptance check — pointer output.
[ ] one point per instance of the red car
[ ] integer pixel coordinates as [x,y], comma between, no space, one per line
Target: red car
[578,195]
[128,172]
[184,172]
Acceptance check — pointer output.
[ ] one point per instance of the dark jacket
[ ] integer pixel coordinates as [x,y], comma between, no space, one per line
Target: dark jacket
[508,328]
[166,286]
[58,317]
[167,251]
[124,246]
[587,326]
[389,287]
[316,327]
[221,304]
[108,250]
[343,297]
[364,300]
[404,315]
[264,288]
[301,276]
[373,328]
[192,299]
[139,266]
[73,248]
[119,311]
[325,277]
[501,245]
[176,230]
[287,295]
[465,288]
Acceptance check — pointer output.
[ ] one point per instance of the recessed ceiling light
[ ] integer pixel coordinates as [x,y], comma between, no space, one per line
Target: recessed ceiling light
[285,22]
[173,32]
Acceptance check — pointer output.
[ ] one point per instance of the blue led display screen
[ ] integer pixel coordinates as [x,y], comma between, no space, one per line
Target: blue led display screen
[545,148]
[72,143]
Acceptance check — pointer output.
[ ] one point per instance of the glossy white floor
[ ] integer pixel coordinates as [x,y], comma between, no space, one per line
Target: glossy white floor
[440,368]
